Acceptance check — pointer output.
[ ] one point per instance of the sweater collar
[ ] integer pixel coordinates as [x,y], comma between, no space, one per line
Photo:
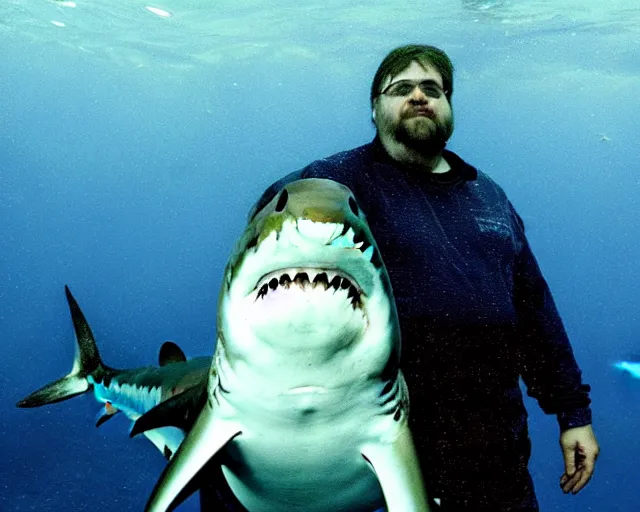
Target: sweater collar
[460,170]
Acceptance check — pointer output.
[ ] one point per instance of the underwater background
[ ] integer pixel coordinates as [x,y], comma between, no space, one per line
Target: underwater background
[135,137]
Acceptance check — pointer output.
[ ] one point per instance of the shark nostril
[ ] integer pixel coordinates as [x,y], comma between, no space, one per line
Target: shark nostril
[282,201]
[354,206]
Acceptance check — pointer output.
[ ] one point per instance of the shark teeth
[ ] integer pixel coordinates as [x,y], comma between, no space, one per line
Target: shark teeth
[310,279]
[349,239]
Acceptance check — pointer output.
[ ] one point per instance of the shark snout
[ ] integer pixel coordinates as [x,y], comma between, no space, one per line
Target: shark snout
[321,231]
[324,215]
[317,200]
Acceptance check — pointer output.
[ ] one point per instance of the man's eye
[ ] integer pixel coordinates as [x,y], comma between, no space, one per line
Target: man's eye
[434,92]
[403,89]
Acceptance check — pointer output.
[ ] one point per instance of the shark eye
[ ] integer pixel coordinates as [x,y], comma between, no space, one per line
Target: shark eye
[354,206]
[282,201]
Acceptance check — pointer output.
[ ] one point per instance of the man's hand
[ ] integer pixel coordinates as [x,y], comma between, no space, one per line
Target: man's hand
[580,449]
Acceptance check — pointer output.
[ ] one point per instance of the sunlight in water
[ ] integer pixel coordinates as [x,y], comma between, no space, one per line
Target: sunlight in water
[160,12]
[206,32]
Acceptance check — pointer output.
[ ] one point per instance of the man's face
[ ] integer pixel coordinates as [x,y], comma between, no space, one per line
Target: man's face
[417,116]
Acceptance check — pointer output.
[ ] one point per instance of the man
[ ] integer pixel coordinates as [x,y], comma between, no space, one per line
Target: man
[475,312]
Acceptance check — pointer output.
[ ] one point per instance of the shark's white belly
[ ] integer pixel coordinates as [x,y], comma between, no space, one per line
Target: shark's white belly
[301,452]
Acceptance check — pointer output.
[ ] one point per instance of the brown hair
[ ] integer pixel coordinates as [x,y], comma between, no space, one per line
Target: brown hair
[400,58]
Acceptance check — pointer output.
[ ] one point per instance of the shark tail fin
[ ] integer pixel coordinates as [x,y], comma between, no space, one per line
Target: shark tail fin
[85,363]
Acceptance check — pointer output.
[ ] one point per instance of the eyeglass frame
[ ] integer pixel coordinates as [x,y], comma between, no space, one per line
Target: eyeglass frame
[434,85]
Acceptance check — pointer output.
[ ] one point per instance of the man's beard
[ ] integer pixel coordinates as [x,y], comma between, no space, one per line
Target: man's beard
[428,137]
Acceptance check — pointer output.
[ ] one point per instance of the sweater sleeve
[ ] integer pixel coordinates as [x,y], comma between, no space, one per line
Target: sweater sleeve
[548,366]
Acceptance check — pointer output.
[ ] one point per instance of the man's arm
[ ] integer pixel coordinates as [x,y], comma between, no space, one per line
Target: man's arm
[549,368]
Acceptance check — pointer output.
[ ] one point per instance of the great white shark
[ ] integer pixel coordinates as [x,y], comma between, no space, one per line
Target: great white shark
[304,406]
[305,398]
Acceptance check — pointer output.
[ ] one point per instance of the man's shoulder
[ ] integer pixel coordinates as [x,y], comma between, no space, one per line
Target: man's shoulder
[339,165]
[479,180]
[495,199]
[487,182]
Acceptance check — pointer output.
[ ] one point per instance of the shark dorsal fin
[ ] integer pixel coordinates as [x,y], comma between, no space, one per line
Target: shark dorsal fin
[171,353]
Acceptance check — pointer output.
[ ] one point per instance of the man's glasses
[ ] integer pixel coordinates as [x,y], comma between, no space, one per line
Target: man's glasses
[406,87]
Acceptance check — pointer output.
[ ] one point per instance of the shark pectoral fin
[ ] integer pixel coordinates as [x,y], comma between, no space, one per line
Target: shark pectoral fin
[166,439]
[178,411]
[207,437]
[106,413]
[396,465]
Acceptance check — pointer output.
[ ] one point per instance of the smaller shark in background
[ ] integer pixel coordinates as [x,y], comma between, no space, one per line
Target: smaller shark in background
[133,392]
[631,366]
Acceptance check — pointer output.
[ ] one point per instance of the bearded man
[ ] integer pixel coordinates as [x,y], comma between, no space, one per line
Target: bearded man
[476,314]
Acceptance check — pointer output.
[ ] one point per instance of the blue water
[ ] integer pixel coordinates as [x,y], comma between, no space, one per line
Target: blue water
[133,145]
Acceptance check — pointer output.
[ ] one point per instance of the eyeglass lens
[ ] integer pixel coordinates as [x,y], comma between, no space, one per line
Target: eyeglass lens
[405,87]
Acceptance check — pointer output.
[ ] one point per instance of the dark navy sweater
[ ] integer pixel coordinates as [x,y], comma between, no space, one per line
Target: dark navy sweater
[475,311]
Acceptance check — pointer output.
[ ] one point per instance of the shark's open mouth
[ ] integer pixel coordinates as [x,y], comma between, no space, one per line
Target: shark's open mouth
[310,278]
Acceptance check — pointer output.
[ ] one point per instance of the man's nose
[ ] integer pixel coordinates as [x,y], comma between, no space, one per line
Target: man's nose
[417,96]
